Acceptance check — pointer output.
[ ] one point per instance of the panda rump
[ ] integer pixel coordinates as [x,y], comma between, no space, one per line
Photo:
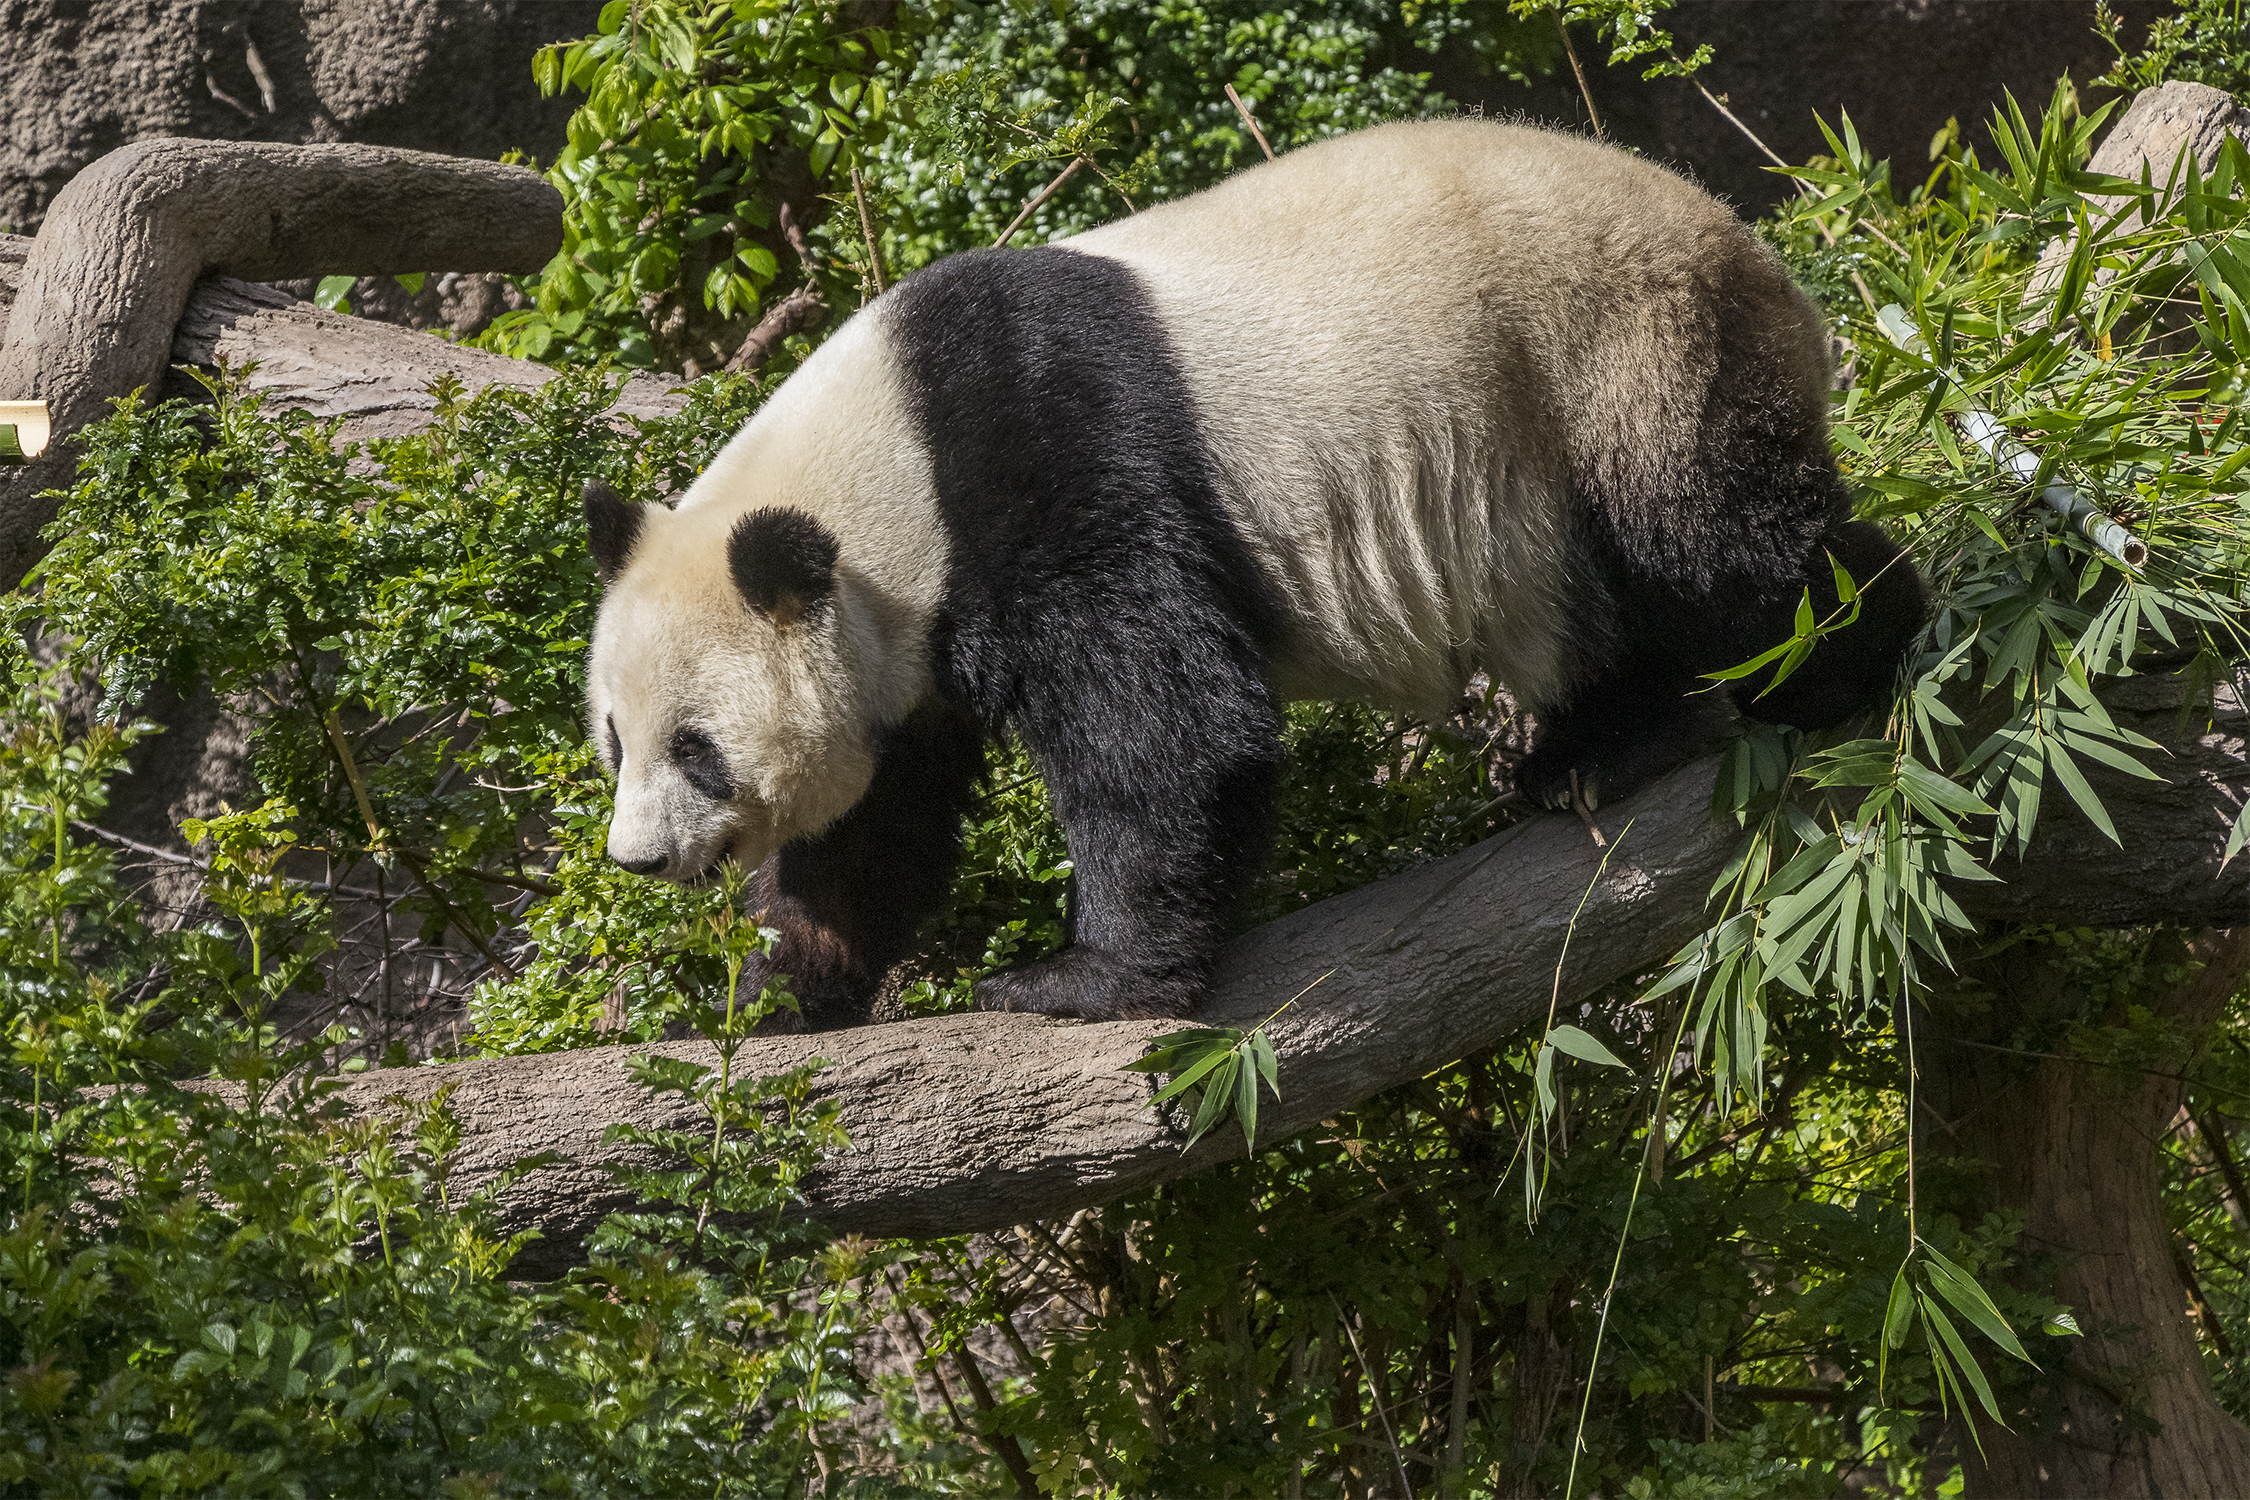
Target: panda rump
[1354,424]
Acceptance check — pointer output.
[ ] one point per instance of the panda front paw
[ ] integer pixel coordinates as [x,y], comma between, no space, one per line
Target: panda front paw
[1080,985]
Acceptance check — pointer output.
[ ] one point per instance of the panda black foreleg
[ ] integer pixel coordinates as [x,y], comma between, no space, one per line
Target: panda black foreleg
[1169,815]
[849,903]
[1620,730]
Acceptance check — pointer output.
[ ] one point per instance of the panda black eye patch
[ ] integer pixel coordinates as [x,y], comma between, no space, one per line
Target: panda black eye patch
[616,747]
[701,763]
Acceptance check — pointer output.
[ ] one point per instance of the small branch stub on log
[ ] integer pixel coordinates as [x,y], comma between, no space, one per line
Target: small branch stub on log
[24,430]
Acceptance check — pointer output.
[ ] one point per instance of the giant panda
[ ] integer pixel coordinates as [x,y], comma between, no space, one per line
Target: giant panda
[1353,424]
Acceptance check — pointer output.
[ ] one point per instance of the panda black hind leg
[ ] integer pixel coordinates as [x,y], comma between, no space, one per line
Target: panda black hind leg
[1648,705]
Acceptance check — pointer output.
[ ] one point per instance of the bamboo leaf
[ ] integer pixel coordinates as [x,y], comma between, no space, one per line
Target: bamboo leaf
[1262,1055]
[1193,1074]
[1960,1288]
[2236,835]
[1967,1367]
[1218,1093]
[1898,1314]
[1583,1047]
[1246,1104]
[2074,782]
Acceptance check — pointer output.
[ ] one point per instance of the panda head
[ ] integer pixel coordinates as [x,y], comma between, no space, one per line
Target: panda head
[725,688]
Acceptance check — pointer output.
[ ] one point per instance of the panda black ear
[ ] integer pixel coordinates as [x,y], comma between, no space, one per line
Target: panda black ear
[613,525]
[784,562]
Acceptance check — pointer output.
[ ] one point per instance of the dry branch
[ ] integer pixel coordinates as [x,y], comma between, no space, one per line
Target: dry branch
[376,376]
[979,1121]
[103,286]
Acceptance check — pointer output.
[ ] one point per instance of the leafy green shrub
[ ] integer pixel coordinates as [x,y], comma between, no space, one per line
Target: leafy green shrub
[2202,41]
[222,1286]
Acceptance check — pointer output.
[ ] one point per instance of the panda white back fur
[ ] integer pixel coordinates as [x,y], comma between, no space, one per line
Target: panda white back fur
[1354,424]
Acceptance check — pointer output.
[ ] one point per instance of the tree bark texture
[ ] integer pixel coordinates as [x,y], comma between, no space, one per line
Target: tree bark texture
[375,376]
[103,286]
[2072,1144]
[979,1121]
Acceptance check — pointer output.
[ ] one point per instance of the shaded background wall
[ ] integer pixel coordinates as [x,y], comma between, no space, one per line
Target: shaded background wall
[87,76]
[1900,67]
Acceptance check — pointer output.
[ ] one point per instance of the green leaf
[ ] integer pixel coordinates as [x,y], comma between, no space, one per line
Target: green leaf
[1926,785]
[1192,1073]
[1583,1047]
[1898,1322]
[334,293]
[2237,835]
[2062,1325]
[2081,794]
[1176,1044]
[1262,1055]
[1246,1104]
[1966,1366]
[1218,1093]
[1960,1288]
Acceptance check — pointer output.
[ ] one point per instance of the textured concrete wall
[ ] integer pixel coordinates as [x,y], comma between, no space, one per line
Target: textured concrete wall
[87,76]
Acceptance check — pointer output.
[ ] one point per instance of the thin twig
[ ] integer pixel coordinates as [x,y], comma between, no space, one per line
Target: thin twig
[360,893]
[1255,133]
[1043,195]
[1802,186]
[513,882]
[867,231]
[1374,1397]
[1584,92]
[929,1361]
[351,774]
[1585,813]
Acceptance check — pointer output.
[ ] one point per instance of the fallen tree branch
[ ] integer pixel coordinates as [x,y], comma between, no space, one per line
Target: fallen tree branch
[980,1121]
[376,376]
[105,282]
[801,311]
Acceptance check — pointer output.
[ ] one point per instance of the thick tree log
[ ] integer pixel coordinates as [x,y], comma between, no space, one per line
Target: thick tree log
[978,1121]
[376,376]
[104,284]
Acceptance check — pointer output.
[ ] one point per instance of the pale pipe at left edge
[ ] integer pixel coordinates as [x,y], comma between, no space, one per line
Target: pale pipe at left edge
[24,430]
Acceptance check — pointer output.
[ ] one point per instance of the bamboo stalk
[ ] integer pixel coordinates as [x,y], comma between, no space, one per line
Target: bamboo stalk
[1991,434]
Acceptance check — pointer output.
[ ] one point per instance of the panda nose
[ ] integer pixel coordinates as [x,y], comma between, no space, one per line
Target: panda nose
[646,866]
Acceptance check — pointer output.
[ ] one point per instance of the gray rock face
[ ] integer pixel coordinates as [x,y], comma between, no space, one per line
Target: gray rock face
[1900,68]
[87,76]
